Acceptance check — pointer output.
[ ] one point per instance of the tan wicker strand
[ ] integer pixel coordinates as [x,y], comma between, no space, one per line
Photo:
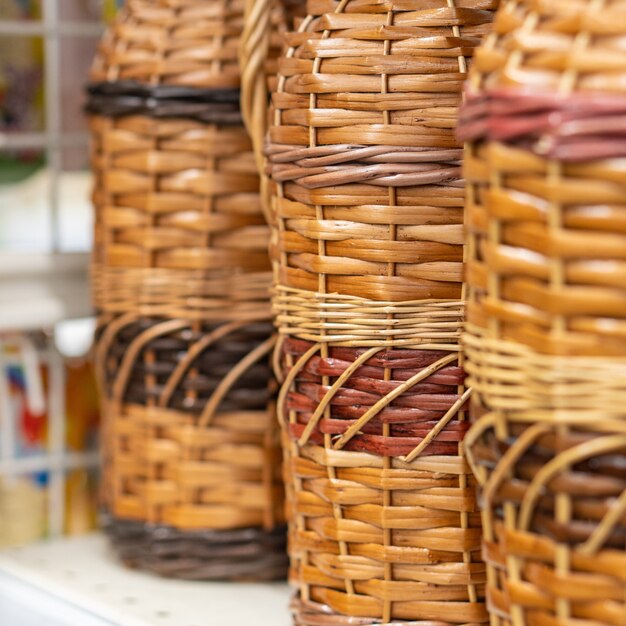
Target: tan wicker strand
[545,338]
[571,275]
[128,396]
[253,54]
[368,213]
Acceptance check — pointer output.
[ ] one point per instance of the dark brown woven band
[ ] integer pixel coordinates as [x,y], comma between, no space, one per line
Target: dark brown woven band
[571,128]
[219,106]
[163,92]
[239,554]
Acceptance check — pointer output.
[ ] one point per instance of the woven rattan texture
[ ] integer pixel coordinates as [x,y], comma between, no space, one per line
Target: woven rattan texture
[571,128]
[362,150]
[181,283]
[265,25]
[203,105]
[546,341]
[380,499]
[549,449]
[547,245]
[189,440]
[173,42]
[176,194]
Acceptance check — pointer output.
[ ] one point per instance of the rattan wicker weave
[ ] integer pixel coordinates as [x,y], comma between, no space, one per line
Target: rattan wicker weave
[364,152]
[546,336]
[181,281]
[191,43]
[368,208]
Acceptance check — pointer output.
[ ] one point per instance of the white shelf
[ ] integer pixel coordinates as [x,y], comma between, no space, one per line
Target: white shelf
[77,582]
[38,290]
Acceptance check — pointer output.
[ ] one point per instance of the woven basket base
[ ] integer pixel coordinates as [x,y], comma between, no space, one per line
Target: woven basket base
[247,554]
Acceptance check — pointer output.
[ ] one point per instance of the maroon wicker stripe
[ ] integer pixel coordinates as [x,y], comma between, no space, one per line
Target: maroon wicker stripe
[396,429]
[573,128]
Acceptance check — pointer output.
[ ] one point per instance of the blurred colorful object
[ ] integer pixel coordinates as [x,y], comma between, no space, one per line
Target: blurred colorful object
[109,8]
[21,89]
[48,441]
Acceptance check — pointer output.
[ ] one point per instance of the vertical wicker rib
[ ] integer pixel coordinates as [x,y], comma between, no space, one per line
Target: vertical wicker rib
[181,282]
[368,207]
[546,341]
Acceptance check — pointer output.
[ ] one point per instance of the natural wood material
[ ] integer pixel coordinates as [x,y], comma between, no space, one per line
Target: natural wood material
[383,523]
[190,440]
[548,449]
[176,193]
[190,43]
[547,237]
[545,341]
[369,196]
[368,212]
[219,106]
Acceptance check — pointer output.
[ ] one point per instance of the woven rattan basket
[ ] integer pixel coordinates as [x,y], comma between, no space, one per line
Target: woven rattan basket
[181,282]
[546,338]
[367,201]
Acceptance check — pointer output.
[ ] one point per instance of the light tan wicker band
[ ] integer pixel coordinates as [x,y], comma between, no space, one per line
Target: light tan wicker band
[191,295]
[581,400]
[360,322]
[534,387]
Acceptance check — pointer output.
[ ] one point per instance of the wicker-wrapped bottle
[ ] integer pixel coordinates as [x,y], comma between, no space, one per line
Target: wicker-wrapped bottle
[367,203]
[546,336]
[181,282]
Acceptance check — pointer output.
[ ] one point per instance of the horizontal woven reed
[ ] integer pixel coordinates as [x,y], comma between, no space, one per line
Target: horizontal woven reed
[368,254]
[161,92]
[571,128]
[181,283]
[181,293]
[172,42]
[545,339]
[176,193]
[191,450]
[362,149]
[244,554]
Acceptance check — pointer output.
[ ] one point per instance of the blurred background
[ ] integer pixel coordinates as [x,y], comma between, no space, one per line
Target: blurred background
[48,401]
